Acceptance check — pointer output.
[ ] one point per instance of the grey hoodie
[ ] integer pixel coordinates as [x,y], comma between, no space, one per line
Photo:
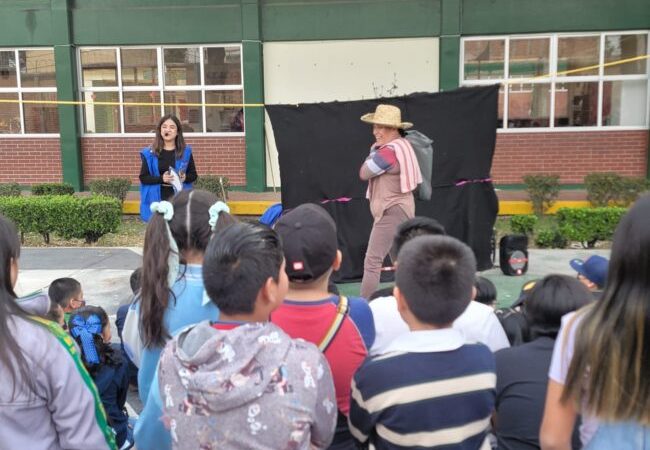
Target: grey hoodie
[251,387]
[62,413]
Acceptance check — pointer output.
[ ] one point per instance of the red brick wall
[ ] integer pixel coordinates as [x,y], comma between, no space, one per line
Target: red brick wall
[30,160]
[120,157]
[572,155]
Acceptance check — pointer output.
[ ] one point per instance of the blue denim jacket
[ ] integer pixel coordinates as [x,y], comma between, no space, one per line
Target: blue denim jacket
[620,436]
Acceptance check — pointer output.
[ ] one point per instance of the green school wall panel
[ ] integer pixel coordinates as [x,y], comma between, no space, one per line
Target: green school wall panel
[287,20]
[535,16]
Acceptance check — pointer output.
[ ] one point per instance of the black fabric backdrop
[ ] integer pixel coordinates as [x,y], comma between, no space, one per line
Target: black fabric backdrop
[321,147]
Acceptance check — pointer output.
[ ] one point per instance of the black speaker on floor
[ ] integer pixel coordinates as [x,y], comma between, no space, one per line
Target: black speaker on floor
[513,254]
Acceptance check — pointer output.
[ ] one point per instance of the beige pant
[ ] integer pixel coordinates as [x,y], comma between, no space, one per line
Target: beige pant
[381,239]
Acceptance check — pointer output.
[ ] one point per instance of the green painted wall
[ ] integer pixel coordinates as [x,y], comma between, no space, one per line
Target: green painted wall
[287,20]
[26,24]
[135,22]
[535,16]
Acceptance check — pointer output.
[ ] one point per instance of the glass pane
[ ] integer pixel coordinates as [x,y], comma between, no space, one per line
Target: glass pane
[529,105]
[484,60]
[98,68]
[37,68]
[182,66]
[101,118]
[141,119]
[224,118]
[576,53]
[190,116]
[622,47]
[501,102]
[8,69]
[528,58]
[222,65]
[624,102]
[576,104]
[139,67]
[40,118]
[9,115]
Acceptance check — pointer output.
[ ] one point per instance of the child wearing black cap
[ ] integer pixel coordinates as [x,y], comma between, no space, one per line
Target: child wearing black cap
[343,328]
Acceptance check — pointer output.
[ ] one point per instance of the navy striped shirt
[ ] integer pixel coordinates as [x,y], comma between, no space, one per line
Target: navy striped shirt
[425,399]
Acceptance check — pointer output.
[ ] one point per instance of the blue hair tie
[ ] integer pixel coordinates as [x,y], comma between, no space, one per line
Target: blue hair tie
[85,330]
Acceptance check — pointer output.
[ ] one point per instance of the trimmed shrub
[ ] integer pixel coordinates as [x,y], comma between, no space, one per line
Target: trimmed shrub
[542,190]
[111,187]
[68,216]
[523,223]
[10,190]
[606,188]
[52,189]
[550,238]
[589,225]
[217,184]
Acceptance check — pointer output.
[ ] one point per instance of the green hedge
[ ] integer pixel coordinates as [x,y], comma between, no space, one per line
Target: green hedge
[589,225]
[87,218]
[543,190]
[609,187]
[111,187]
[10,190]
[52,189]
[218,185]
[523,223]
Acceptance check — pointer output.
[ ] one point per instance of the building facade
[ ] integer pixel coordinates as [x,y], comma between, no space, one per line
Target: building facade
[574,75]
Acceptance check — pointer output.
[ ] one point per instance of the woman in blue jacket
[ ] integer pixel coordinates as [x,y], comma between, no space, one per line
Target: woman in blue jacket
[167,151]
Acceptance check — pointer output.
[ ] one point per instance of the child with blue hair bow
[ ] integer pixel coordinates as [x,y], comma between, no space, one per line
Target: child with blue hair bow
[90,328]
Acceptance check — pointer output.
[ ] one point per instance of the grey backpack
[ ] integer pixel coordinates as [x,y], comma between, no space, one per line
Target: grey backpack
[424,153]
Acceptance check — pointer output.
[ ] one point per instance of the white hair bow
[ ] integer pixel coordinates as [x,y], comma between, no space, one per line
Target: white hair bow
[214,212]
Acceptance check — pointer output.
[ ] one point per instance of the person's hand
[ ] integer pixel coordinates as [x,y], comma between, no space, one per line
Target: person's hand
[167,177]
[182,176]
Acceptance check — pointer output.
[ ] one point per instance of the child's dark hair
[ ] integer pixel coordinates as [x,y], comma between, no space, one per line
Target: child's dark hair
[551,298]
[190,229]
[486,291]
[62,290]
[435,275]
[159,143]
[417,226]
[11,355]
[135,280]
[86,325]
[237,263]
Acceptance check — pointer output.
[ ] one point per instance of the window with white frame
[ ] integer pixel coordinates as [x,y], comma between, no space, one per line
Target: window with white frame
[141,84]
[563,80]
[28,88]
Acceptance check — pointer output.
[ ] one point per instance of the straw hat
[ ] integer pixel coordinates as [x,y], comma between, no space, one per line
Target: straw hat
[388,116]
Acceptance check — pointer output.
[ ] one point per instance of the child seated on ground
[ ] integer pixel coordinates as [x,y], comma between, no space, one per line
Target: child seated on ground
[429,389]
[478,323]
[67,293]
[486,292]
[89,326]
[342,327]
[240,382]
[592,272]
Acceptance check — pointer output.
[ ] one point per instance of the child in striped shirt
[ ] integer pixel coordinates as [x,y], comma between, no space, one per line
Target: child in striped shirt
[429,389]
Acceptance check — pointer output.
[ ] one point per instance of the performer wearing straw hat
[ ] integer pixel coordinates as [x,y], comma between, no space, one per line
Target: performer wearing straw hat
[392,172]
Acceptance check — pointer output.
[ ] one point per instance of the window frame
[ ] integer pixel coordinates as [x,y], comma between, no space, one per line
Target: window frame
[554,79]
[160,88]
[20,90]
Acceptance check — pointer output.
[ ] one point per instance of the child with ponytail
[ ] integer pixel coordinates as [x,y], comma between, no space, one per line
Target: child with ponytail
[48,400]
[172,293]
[89,326]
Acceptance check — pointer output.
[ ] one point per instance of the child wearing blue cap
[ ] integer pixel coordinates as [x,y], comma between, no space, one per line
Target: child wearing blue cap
[592,272]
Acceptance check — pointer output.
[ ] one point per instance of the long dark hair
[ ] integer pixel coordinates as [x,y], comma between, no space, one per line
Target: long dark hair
[191,231]
[159,143]
[107,356]
[11,356]
[611,361]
